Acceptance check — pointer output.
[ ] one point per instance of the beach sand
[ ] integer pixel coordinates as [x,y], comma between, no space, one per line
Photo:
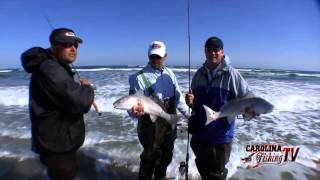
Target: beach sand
[290,171]
[32,169]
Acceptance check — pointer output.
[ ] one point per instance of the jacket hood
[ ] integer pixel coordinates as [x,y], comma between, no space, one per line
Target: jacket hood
[32,58]
[226,63]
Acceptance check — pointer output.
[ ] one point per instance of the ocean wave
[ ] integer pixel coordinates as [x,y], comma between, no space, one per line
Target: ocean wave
[5,71]
[303,75]
[109,69]
[15,134]
[244,70]
[183,70]
[11,96]
[279,74]
[293,119]
[132,69]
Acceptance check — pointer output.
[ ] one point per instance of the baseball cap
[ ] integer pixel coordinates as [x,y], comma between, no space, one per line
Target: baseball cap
[214,43]
[158,48]
[64,35]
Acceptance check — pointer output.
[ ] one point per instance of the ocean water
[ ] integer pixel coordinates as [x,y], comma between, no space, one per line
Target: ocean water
[112,138]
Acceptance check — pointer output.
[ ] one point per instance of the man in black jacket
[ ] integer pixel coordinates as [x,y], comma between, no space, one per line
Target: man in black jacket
[57,103]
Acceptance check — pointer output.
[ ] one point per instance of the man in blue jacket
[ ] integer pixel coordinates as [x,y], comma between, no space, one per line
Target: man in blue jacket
[214,84]
[57,103]
[159,82]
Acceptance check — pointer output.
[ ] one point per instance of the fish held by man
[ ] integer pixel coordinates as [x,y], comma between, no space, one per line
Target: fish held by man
[150,107]
[239,106]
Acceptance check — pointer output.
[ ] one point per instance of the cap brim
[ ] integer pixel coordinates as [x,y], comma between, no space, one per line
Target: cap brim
[69,40]
[156,52]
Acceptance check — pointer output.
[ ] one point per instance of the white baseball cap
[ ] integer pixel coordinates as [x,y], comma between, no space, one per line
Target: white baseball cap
[158,48]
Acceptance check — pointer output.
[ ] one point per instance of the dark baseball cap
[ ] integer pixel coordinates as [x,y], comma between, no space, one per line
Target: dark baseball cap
[214,43]
[64,35]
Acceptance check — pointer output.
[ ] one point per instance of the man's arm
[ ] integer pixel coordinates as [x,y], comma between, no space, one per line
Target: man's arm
[242,91]
[181,104]
[239,85]
[63,90]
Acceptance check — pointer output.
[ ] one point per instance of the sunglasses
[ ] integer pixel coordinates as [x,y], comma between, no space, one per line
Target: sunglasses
[213,49]
[67,45]
[155,57]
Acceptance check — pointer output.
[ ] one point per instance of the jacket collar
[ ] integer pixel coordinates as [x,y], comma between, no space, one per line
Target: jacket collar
[151,69]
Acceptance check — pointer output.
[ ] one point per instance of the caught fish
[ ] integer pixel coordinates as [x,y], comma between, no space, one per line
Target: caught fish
[239,106]
[150,107]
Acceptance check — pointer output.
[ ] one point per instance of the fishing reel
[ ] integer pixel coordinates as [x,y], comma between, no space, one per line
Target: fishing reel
[182,168]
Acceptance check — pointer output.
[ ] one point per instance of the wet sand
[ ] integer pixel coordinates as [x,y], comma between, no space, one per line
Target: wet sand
[290,171]
[32,169]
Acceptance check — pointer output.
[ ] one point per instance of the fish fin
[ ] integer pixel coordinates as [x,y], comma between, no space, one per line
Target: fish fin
[211,114]
[153,118]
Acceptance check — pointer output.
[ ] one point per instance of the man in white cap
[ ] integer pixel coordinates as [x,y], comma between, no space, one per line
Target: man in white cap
[157,138]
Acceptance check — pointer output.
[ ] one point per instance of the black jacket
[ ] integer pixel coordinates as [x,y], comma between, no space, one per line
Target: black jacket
[57,103]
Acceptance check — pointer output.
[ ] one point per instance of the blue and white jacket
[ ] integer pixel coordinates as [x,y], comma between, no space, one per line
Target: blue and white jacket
[214,89]
[163,83]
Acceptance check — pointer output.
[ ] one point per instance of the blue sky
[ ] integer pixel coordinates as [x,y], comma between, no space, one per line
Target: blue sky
[276,34]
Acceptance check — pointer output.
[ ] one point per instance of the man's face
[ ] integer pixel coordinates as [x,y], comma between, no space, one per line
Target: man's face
[213,55]
[66,51]
[156,61]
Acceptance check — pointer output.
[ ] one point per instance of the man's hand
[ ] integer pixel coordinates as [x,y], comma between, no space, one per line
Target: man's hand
[189,98]
[138,109]
[250,113]
[85,82]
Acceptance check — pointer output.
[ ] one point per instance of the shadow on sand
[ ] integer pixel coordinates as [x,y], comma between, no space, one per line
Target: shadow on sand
[89,169]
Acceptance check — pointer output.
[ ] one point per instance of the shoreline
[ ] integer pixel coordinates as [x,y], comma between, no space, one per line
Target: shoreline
[90,169]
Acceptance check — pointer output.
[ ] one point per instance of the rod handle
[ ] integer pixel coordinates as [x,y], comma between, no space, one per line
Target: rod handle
[96,108]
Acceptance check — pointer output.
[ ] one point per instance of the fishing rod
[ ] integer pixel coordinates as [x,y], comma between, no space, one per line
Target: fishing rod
[75,70]
[189,64]
[48,21]
[184,166]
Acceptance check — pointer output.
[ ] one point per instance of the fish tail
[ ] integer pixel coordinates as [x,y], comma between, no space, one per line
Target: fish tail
[211,114]
[173,120]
